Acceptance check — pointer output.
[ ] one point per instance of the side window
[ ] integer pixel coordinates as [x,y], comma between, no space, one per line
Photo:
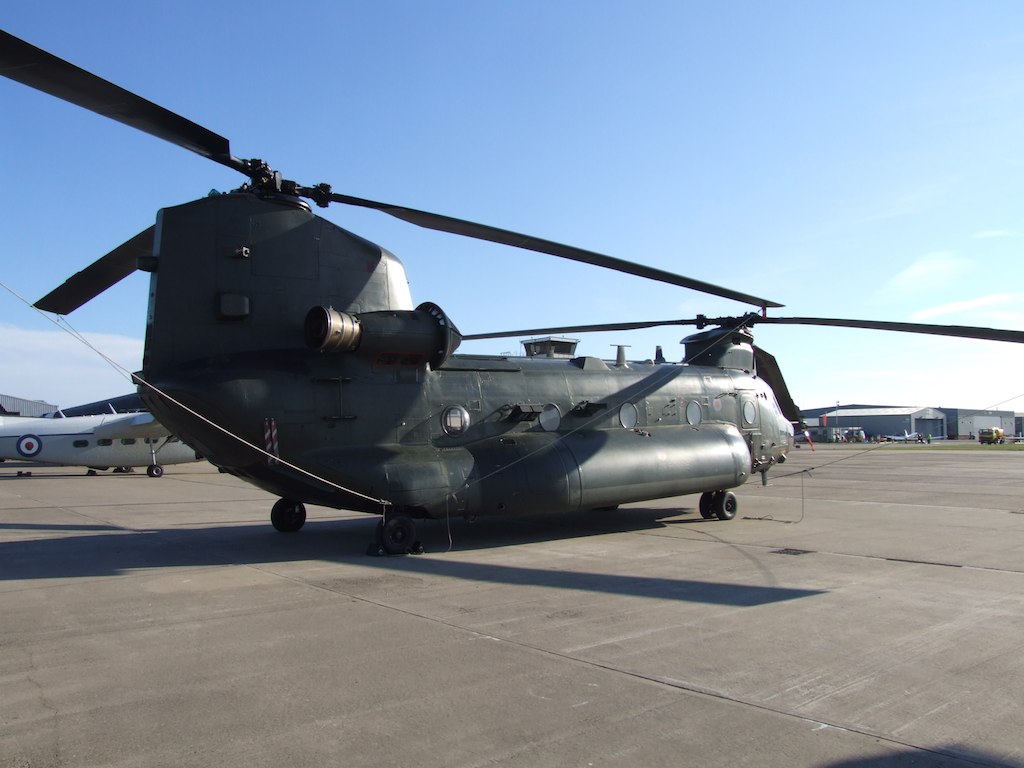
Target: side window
[749,413]
[104,441]
[127,441]
[81,443]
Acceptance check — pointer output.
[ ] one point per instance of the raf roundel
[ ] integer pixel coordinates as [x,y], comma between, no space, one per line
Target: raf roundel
[29,446]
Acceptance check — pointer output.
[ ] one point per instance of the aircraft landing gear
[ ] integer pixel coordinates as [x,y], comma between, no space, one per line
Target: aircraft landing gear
[288,516]
[154,469]
[396,535]
[725,505]
[706,502]
[720,504]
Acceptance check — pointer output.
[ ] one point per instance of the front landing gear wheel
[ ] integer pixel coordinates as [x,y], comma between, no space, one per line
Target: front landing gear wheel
[706,506]
[725,505]
[155,470]
[288,516]
[396,534]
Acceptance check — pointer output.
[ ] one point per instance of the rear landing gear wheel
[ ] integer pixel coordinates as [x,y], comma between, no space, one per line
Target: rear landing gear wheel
[706,506]
[725,505]
[397,535]
[288,516]
[155,470]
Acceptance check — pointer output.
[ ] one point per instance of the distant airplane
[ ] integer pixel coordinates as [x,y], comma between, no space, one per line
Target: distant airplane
[912,437]
[120,440]
[906,437]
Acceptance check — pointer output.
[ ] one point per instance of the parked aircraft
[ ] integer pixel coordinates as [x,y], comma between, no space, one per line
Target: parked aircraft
[911,437]
[99,442]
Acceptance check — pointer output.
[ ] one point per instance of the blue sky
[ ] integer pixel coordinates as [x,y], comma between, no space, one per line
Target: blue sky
[854,160]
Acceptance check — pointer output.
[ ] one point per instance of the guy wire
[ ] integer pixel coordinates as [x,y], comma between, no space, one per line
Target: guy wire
[134,378]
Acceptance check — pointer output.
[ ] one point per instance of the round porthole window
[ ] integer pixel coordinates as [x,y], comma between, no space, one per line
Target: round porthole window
[749,412]
[694,413]
[628,416]
[550,418]
[455,420]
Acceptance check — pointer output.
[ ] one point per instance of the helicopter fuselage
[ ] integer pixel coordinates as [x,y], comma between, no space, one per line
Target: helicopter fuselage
[376,408]
[483,435]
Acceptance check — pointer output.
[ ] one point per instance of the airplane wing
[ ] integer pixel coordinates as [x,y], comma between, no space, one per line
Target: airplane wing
[16,421]
[130,425]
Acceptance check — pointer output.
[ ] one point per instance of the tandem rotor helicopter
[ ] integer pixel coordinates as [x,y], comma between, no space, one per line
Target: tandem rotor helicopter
[288,352]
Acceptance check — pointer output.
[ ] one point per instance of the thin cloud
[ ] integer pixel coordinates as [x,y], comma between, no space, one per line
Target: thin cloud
[934,270]
[1002,305]
[909,203]
[58,368]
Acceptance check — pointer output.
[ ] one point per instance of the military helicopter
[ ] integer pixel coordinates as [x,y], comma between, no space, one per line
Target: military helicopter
[288,352]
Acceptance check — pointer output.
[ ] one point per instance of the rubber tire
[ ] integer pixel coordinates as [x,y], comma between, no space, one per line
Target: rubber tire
[706,506]
[155,470]
[288,516]
[725,505]
[397,534]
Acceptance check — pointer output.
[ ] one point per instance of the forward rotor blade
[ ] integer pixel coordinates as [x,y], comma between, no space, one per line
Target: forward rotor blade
[767,368]
[958,331]
[98,276]
[45,72]
[465,228]
[579,329]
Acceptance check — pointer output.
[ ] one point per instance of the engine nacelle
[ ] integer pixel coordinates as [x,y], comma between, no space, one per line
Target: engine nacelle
[722,348]
[416,337]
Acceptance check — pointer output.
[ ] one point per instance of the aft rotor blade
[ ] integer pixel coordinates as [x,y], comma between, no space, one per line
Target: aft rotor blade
[98,276]
[465,228]
[958,331]
[45,72]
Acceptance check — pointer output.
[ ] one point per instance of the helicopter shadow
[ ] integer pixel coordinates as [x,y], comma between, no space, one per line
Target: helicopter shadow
[945,756]
[493,532]
[99,551]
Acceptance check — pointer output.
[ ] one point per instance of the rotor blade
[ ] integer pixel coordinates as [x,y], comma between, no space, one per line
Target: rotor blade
[465,228]
[767,368]
[98,276]
[958,331]
[579,329]
[45,72]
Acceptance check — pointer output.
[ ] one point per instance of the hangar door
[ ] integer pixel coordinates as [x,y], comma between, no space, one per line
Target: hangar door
[933,427]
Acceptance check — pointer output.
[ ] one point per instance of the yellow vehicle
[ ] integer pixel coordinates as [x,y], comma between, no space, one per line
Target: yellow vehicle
[991,435]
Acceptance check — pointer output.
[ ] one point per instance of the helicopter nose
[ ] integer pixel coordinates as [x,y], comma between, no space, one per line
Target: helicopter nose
[786,439]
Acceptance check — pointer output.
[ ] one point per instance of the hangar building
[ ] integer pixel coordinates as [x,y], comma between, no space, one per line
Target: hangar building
[964,423]
[19,406]
[830,424]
